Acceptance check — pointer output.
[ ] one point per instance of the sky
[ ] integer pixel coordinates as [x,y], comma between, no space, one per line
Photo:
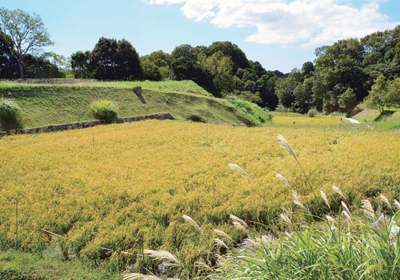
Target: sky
[280,34]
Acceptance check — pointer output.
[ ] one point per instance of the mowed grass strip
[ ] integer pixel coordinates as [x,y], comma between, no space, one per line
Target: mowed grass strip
[126,186]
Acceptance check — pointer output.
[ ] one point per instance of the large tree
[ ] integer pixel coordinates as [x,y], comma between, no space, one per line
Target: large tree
[27,33]
[114,60]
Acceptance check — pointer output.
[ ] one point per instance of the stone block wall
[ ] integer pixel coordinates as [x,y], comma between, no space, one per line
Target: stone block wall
[80,125]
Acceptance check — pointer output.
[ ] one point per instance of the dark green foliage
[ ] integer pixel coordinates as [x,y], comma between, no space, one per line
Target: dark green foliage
[185,68]
[104,110]
[347,100]
[112,60]
[80,64]
[257,115]
[9,110]
[238,57]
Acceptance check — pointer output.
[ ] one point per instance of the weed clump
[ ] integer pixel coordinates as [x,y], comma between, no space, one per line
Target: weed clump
[104,110]
[312,112]
[9,110]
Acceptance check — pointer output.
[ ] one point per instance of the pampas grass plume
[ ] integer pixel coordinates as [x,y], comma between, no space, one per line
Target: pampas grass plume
[237,168]
[162,255]
[223,234]
[385,200]
[236,219]
[286,146]
[368,210]
[325,199]
[193,223]
[280,177]
[338,191]
[132,276]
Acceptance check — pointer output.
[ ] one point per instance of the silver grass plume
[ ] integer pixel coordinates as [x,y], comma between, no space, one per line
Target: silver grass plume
[323,195]
[396,204]
[286,146]
[237,168]
[223,234]
[239,226]
[367,208]
[236,219]
[345,207]
[330,219]
[338,191]
[385,200]
[280,177]
[219,242]
[296,200]
[162,255]
[346,215]
[201,265]
[285,218]
[194,224]
[132,276]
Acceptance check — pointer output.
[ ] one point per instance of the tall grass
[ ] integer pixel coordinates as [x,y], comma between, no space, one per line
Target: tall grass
[307,245]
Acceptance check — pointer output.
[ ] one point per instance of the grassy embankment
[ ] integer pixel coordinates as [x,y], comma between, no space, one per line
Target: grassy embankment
[389,120]
[86,186]
[47,104]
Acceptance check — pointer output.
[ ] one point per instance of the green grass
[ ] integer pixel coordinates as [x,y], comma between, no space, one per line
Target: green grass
[50,265]
[389,120]
[44,105]
[257,115]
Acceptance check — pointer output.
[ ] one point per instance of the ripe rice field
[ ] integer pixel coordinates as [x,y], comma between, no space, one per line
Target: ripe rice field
[126,186]
[289,119]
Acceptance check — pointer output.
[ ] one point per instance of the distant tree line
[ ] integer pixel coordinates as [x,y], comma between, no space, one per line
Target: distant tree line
[345,73]
[221,68]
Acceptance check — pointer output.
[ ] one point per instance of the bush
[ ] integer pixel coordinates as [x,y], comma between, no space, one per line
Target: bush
[104,110]
[312,112]
[9,110]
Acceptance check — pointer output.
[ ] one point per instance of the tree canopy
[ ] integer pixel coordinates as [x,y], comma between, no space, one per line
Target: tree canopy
[25,34]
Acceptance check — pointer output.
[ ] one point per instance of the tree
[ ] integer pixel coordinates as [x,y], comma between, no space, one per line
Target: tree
[80,64]
[284,89]
[377,95]
[220,67]
[27,33]
[393,93]
[114,60]
[347,100]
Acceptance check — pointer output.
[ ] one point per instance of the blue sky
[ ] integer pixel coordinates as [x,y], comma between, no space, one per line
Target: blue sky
[280,34]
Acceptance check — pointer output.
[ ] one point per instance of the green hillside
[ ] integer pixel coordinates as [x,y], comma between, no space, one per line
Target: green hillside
[49,104]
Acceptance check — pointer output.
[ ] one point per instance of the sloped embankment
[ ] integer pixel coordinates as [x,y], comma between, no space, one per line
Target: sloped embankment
[60,104]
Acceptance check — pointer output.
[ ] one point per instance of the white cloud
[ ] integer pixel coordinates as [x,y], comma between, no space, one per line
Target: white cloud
[311,22]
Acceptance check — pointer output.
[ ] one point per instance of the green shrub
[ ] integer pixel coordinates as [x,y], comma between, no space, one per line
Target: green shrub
[9,110]
[104,110]
[255,113]
[312,112]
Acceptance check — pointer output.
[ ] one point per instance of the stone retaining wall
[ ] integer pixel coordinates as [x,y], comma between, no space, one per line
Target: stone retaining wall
[80,125]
